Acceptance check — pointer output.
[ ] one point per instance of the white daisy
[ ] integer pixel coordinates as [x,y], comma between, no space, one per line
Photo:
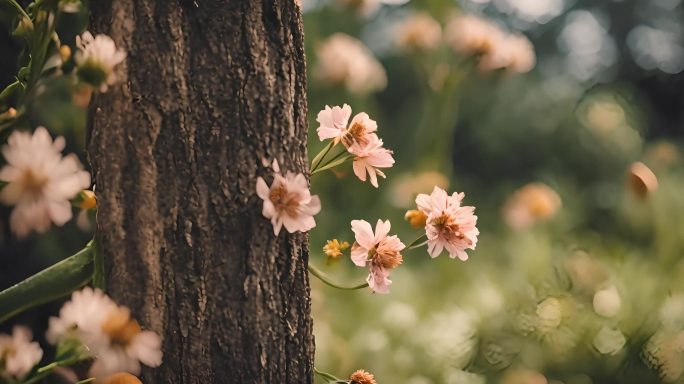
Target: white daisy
[18,354]
[40,182]
[96,59]
[108,332]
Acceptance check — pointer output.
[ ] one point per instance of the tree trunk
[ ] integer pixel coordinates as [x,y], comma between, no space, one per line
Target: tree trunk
[208,91]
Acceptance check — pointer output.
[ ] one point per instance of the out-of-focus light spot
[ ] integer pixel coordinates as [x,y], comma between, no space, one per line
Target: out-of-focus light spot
[667,4]
[656,49]
[539,11]
[590,48]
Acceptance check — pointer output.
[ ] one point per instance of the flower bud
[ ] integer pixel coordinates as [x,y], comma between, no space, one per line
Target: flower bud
[122,378]
[416,218]
[641,180]
[607,302]
[362,377]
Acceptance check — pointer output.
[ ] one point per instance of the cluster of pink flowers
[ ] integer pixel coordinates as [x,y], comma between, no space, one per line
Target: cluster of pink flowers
[288,202]
[448,225]
[360,139]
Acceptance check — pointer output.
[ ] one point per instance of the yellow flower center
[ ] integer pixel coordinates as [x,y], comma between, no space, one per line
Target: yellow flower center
[448,228]
[386,258]
[33,184]
[333,248]
[120,328]
[284,201]
[355,133]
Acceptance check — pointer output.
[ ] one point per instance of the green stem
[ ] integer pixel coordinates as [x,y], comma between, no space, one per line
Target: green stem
[316,272]
[334,162]
[419,242]
[98,265]
[19,8]
[327,376]
[47,369]
[321,155]
[50,284]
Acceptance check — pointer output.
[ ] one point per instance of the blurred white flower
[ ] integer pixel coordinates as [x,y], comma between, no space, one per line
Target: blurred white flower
[529,204]
[672,311]
[81,317]
[449,225]
[664,353]
[450,337]
[288,201]
[369,158]
[377,251]
[474,36]
[345,60]
[108,332]
[40,181]
[549,315]
[18,354]
[96,59]
[609,341]
[400,315]
[418,32]
[520,54]
[607,302]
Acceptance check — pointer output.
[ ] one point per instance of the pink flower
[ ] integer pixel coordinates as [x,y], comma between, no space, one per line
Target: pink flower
[333,122]
[377,251]
[288,201]
[333,125]
[449,225]
[369,157]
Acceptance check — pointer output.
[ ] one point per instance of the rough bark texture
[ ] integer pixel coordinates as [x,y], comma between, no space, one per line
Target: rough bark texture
[208,90]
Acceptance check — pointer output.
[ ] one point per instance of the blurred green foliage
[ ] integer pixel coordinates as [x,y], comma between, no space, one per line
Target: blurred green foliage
[589,292]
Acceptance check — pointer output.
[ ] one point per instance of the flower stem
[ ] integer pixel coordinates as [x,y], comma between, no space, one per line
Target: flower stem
[322,277]
[334,162]
[47,369]
[419,242]
[327,376]
[98,265]
[321,155]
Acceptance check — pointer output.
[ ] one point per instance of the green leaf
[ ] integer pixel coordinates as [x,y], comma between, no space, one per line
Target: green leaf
[49,284]
[10,9]
[10,91]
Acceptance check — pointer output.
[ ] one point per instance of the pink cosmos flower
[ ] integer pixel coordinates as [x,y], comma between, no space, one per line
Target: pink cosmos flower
[377,251]
[288,201]
[333,122]
[369,157]
[449,225]
[334,126]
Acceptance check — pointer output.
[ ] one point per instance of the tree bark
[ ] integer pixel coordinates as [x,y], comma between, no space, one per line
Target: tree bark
[208,91]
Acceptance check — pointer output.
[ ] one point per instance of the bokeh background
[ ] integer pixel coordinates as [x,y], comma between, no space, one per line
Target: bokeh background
[577,276]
